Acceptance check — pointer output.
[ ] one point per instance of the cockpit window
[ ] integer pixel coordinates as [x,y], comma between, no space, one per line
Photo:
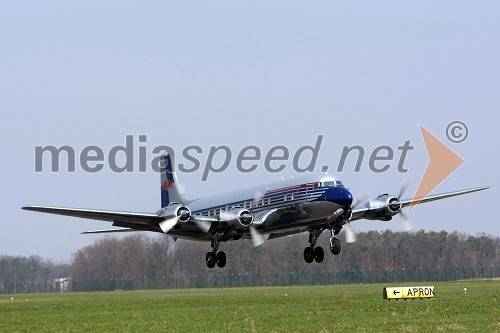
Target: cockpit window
[330,183]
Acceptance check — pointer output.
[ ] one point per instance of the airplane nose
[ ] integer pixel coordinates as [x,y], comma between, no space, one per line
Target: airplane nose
[340,196]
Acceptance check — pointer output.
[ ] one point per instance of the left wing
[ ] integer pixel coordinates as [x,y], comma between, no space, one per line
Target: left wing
[416,201]
[367,209]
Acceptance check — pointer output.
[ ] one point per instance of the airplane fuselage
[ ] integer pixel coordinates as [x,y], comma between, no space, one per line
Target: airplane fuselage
[297,205]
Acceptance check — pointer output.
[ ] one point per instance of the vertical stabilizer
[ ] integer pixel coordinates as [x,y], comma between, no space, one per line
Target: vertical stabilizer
[169,185]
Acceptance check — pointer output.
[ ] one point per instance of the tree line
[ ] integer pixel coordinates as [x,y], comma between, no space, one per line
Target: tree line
[141,256]
[30,270]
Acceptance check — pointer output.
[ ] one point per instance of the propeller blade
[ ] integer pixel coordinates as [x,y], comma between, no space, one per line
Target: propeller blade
[168,224]
[257,196]
[361,200]
[203,225]
[406,221]
[407,225]
[160,211]
[183,190]
[257,237]
[227,216]
[350,235]
[403,187]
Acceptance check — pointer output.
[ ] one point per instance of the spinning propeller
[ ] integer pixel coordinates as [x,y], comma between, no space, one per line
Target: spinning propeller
[363,201]
[246,219]
[406,222]
[167,224]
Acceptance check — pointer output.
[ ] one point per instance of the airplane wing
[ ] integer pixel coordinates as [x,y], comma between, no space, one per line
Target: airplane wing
[107,231]
[129,220]
[359,212]
[416,201]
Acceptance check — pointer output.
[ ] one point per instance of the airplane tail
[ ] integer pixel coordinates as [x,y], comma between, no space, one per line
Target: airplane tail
[169,186]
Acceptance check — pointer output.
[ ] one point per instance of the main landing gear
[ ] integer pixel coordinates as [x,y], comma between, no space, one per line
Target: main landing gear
[316,253]
[215,257]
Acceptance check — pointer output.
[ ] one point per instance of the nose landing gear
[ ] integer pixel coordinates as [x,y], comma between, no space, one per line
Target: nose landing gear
[335,244]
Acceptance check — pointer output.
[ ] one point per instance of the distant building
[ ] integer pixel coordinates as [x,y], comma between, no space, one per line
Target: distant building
[62,284]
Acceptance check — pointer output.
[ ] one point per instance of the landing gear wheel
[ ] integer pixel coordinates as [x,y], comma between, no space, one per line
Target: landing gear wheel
[210,259]
[319,254]
[335,246]
[309,254]
[221,259]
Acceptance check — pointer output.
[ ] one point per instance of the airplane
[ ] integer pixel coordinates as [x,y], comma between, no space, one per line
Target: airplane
[311,203]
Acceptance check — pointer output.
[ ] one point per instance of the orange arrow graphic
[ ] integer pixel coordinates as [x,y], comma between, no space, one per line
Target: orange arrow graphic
[442,162]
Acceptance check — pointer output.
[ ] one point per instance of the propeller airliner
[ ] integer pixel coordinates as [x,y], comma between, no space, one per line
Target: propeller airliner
[312,203]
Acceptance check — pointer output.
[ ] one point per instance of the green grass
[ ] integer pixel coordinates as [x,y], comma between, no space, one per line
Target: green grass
[340,308]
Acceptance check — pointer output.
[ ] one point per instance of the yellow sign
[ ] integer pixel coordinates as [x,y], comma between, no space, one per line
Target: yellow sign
[393,293]
[418,292]
[408,292]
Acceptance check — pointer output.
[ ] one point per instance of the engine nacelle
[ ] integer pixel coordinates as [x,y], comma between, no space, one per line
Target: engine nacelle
[176,209]
[240,217]
[385,207]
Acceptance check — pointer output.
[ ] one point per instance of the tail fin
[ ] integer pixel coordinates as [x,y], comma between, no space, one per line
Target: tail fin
[169,186]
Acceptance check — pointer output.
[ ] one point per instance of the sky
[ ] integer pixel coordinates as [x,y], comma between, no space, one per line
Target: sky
[239,73]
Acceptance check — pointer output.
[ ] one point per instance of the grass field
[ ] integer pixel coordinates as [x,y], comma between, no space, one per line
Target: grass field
[339,308]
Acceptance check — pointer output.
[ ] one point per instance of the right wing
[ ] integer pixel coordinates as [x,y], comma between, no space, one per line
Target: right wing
[108,231]
[128,221]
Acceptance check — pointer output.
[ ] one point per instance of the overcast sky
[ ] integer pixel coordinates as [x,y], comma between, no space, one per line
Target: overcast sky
[240,73]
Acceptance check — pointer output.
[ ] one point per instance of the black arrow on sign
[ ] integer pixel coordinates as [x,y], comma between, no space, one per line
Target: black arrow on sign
[395,292]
